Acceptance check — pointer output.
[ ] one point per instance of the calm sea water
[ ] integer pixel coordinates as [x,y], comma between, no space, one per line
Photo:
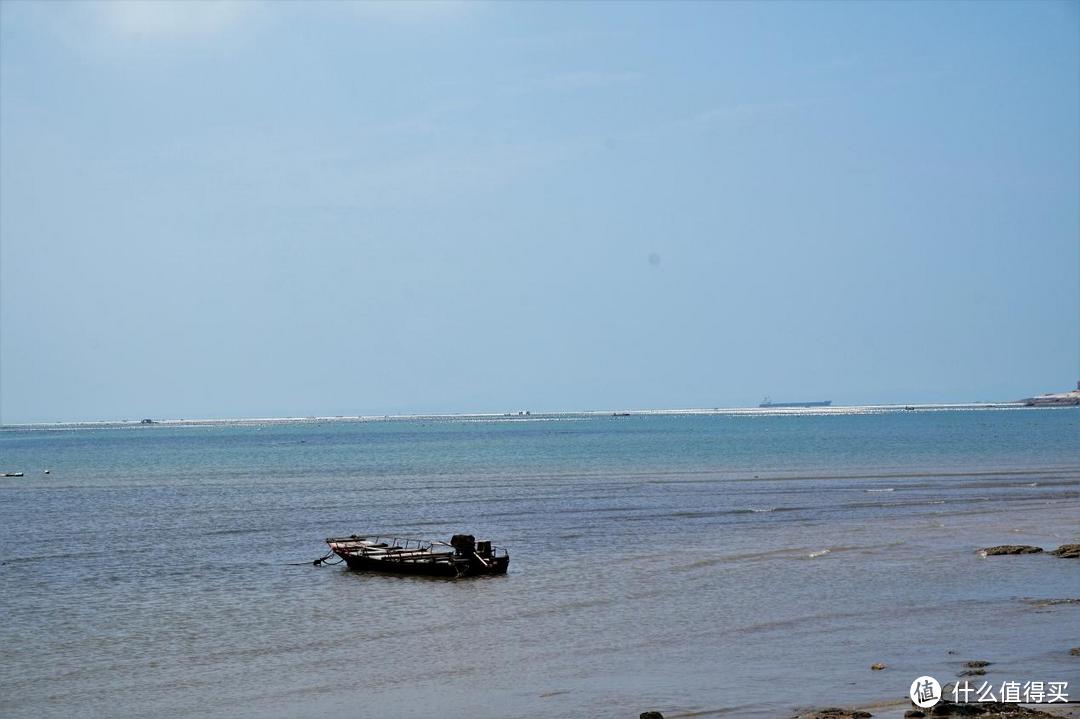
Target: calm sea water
[738,565]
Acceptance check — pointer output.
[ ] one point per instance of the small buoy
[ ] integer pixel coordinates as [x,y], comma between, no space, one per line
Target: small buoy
[47,471]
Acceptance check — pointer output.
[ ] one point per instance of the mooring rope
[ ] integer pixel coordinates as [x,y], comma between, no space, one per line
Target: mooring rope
[318,562]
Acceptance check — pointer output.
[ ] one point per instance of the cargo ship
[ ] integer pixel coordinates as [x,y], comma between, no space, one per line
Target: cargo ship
[769,404]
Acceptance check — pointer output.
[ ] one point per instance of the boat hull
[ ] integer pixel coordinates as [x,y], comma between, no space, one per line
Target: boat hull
[462,556]
[452,569]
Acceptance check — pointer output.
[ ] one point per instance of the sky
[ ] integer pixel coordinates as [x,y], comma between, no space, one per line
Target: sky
[246,210]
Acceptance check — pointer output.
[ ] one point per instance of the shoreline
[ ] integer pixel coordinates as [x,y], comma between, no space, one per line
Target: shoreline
[896,709]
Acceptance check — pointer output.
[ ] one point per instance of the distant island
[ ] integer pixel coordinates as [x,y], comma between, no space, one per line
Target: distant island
[1059,399]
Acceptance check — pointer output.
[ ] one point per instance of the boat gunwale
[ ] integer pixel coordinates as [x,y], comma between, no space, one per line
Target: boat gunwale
[394,548]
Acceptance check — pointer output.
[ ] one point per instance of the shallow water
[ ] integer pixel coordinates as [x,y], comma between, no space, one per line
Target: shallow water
[735,564]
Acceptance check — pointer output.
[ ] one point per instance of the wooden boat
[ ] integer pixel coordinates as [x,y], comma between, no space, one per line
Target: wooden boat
[463,556]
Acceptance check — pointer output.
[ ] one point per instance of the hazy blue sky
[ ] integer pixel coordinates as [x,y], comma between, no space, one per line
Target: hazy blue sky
[215,210]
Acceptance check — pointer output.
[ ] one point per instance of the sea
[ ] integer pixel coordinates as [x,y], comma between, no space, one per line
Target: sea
[743,564]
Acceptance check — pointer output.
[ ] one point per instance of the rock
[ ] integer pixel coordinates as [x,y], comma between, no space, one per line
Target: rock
[987,710]
[877,666]
[1042,603]
[1009,549]
[914,714]
[948,709]
[1075,651]
[651,715]
[836,713]
[975,668]
[1069,551]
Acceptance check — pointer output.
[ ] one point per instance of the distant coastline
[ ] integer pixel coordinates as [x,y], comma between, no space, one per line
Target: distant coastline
[1056,399]
[537,416]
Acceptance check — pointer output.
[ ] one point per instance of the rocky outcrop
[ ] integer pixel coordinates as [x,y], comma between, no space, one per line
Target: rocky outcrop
[988,710]
[974,668]
[1058,399]
[1009,549]
[651,715]
[1041,603]
[1070,551]
[836,713]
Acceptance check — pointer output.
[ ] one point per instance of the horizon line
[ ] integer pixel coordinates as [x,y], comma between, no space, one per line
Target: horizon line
[522,414]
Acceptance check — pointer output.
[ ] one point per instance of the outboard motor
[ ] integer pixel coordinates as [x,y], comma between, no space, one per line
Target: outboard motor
[463,544]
